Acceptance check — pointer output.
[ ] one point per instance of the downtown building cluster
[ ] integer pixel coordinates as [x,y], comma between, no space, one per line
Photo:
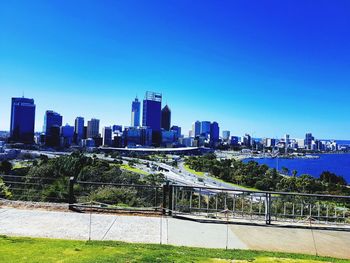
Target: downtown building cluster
[152,129]
[149,127]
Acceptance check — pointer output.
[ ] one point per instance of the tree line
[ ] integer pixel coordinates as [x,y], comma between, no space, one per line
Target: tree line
[263,178]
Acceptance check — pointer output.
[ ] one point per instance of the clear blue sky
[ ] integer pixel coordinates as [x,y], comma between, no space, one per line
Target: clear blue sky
[263,67]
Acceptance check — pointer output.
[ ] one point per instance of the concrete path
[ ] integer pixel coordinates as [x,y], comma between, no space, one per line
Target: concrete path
[69,225]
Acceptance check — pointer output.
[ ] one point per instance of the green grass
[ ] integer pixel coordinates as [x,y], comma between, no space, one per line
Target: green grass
[20,249]
[188,169]
[132,169]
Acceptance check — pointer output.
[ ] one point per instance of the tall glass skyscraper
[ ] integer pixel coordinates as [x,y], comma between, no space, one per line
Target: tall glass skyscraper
[214,132]
[166,118]
[79,129]
[205,128]
[152,106]
[196,128]
[22,120]
[135,113]
[51,119]
[151,115]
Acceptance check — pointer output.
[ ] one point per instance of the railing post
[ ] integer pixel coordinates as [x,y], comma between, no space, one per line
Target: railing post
[170,193]
[268,208]
[165,192]
[71,198]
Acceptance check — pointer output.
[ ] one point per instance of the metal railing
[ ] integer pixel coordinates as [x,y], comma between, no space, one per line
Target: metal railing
[228,204]
[180,200]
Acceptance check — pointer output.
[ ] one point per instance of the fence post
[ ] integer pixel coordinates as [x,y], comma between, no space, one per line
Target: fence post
[170,193]
[165,191]
[268,208]
[71,198]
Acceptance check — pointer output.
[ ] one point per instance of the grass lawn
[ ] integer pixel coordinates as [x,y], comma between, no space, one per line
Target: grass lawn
[188,169]
[19,249]
[132,169]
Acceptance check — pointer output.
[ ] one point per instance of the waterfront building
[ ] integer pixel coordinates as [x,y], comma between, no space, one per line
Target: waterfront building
[196,128]
[226,135]
[135,113]
[205,128]
[22,120]
[78,129]
[93,128]
[67,134]
[308,140]
[214,132]
[166,118]
[107,136]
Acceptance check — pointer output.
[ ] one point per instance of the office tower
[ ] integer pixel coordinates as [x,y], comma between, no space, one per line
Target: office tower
[22,120]
[166,118]
[51,119]
[177,131]
[135,113]
[137,136]
[205,128]
[214,132]
[308,140]
[67,133]
[151,115]
[107,136]
[234,141]
[196,128]
[116,128]
[225,135]
[93,128]
[79,129]
[247,140]
[85,132]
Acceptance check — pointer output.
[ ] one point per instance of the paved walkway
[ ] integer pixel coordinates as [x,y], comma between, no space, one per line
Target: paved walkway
[69,225]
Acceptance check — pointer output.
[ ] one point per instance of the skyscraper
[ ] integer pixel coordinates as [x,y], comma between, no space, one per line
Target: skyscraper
[79,129]
[22,120]
[166,118]
[151,115]
[135,113]
[196,128]
[151,112]
[93,128]
[225,135]
[51,119]
[205,128]
[214,132]
[107,136]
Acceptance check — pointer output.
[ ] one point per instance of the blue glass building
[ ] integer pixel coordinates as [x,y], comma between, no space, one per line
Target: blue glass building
[151,115]
[214,132]
[22,120]
[51,119]
[135,113]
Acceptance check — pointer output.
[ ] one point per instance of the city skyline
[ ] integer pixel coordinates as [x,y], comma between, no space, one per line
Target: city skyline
[253,70]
